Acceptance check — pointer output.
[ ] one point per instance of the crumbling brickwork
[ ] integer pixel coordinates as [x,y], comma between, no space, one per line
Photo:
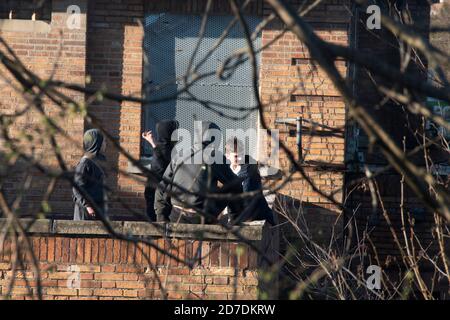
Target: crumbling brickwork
[92,265]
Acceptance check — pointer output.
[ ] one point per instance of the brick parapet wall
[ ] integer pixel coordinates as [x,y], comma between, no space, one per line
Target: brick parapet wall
[223,267]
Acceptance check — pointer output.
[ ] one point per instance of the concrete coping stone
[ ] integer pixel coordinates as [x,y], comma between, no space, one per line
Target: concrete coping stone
[18,25]
[251,231]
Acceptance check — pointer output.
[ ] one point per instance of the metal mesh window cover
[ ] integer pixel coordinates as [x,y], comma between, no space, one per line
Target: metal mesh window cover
[170,41]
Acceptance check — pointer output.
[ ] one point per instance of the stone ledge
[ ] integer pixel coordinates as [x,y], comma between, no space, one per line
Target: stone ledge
[18,25]
[250,231]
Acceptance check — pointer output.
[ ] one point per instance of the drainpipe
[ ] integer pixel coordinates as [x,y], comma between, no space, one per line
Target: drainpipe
[299,122]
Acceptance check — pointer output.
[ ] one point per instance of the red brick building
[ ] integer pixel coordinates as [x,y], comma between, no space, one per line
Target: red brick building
[106,50]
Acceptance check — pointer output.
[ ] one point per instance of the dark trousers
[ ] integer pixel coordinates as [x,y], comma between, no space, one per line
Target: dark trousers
[149,195]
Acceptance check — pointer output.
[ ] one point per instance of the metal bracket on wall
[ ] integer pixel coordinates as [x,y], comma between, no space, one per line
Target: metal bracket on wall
[298,122]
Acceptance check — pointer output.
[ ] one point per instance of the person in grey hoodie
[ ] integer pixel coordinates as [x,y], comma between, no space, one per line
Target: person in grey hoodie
[89,177]
[199,177]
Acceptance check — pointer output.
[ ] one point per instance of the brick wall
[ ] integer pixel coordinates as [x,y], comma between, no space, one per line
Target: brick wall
[377,209]
[114,62]
[115,269]
[292,86]
[400,124]
[108,50]
[381,44]
[112,58]
[46,48]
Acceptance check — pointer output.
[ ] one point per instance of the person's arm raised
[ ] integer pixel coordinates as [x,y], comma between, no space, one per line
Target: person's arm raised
[148,136]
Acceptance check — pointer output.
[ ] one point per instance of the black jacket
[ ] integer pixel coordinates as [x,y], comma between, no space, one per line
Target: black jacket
[196,177]
[164,145]
[89,177]
[256,208]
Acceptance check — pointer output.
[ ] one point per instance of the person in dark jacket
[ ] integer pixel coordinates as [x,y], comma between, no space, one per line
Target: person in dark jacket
[162,149]
[246,168]
[89,177]
[198,177]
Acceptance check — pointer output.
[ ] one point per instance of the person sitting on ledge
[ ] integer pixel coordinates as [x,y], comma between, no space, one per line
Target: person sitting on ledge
[162,150]
[89,177]
[246,168]
[198,173]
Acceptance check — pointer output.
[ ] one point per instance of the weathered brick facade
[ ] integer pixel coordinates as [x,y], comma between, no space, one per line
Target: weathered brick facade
[79,260]
[114,61]
[40,46]
[106,53]
[404,128]
[293,86]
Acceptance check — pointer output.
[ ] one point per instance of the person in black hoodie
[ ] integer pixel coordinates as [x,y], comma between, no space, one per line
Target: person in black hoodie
[162,150]
[199,177]
[89,177]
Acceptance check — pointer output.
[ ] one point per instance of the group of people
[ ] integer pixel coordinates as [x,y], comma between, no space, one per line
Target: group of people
[180,189]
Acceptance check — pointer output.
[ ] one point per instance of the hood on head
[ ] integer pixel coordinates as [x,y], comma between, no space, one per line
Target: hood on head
[164,130]
[206,130]
[92,142]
